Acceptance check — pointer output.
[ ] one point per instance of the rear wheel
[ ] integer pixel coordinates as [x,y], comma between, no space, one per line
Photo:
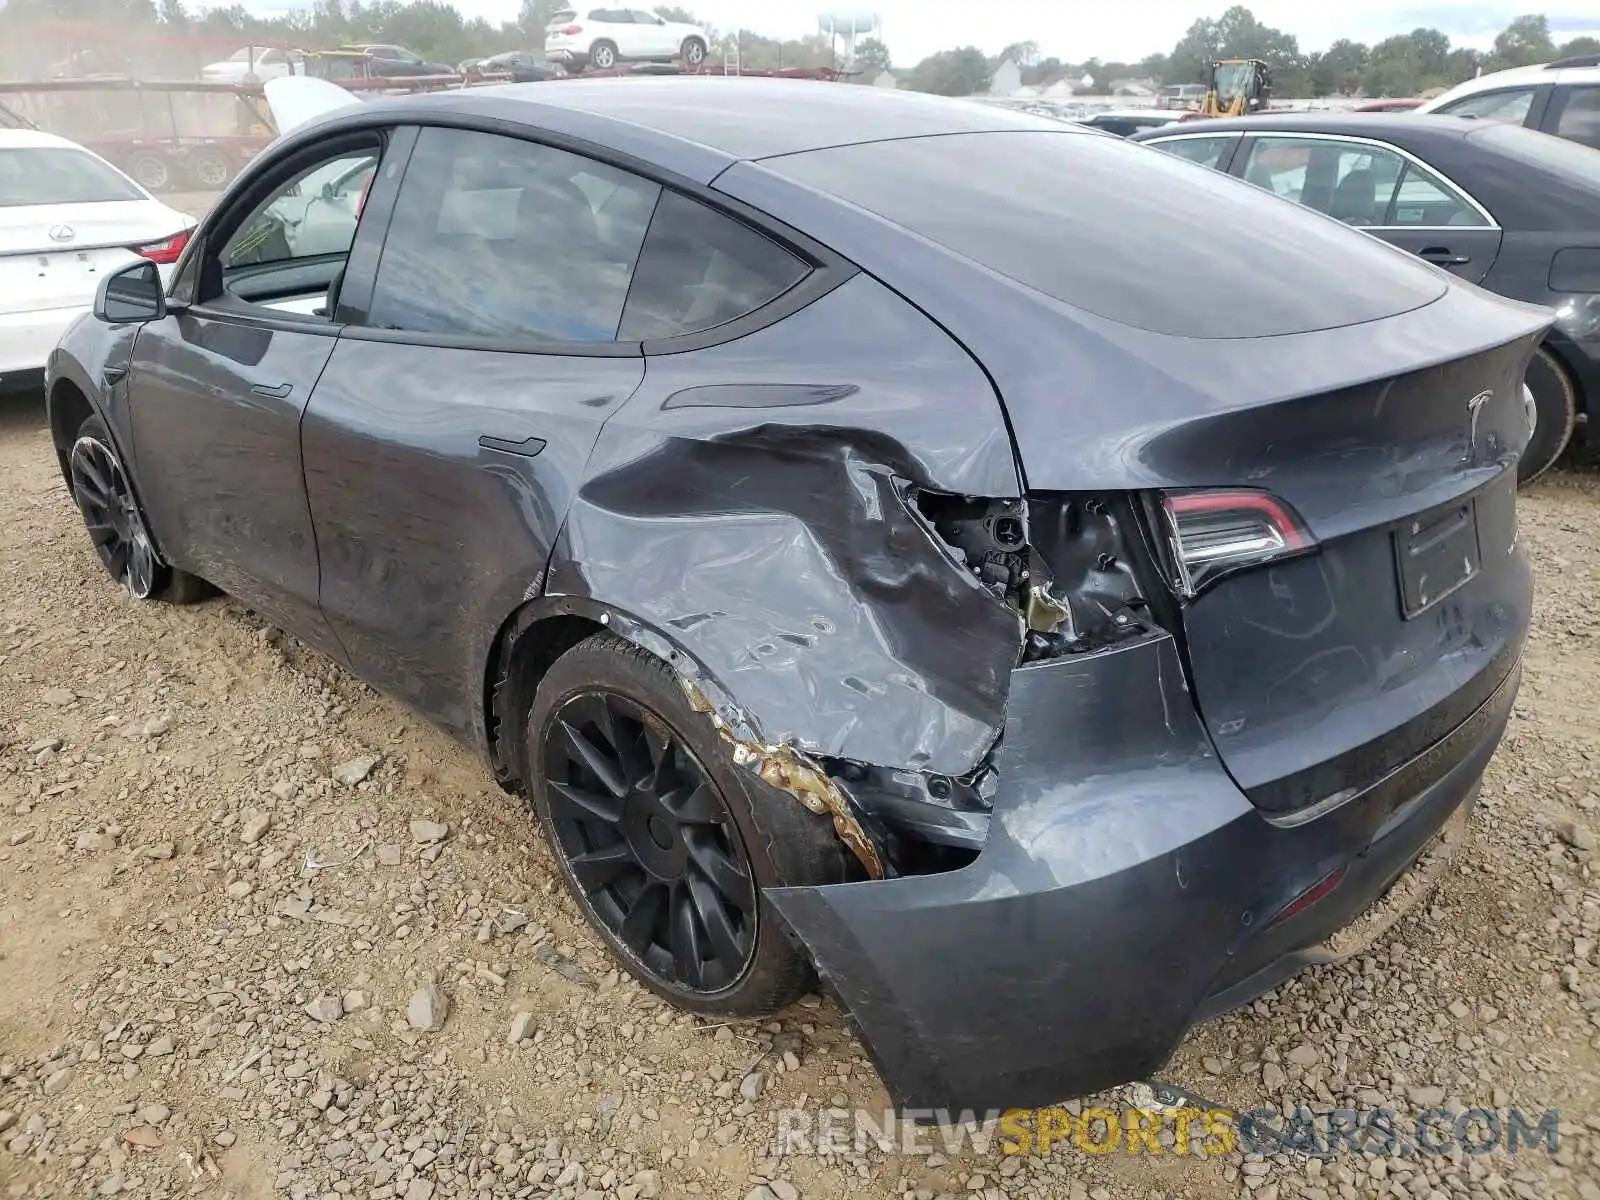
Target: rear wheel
[116,524]
[210,169]
[1554,413]
[693,51]
[151,172]
[602,56]
[664,844]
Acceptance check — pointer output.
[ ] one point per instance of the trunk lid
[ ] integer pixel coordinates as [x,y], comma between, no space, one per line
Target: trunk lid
[54,256]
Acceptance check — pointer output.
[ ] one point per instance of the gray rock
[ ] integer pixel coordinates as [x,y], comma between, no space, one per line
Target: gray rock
[253,826]
[784,1190]
[648,1183]
[760,1192]
[157,851]
[58,697]
[154,1114]
[356,1001]
[1575,836]
[326,1009]
[1304,1055]
[390,856]
[96,842]
[522,1025]
[1426,1097]
[58,1082]
[420,1189]
[156,726]
[19,837]
[753,1084]
[428,1008]
[428,832]
[1272,1077]
[159,1048]
[353,772]
[239,889]
[7,1119]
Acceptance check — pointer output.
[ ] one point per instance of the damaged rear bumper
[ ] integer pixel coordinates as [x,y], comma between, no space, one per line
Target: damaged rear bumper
[1127,890]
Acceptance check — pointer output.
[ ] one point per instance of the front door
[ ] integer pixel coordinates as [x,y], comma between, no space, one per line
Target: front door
[217,389]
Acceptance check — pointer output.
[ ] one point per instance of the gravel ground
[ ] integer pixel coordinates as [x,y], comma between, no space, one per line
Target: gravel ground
[264,934]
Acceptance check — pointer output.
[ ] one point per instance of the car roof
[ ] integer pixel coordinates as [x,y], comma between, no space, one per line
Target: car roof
[732,118]
[1136,114]
[26,139]
[1541,73]
[1385,125]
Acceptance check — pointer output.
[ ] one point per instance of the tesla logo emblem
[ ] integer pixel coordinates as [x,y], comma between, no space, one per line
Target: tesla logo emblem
[1475,408]
[62,233]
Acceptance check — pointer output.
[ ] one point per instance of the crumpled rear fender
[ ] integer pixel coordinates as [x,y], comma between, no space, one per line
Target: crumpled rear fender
[757,514]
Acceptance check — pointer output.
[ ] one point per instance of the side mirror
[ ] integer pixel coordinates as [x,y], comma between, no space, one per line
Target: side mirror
[132,294]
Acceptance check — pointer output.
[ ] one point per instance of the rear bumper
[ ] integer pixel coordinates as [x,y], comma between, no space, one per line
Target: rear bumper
[26,338]
[1127,890]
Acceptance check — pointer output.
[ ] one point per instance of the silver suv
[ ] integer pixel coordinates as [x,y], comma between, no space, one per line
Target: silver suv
[1562,98]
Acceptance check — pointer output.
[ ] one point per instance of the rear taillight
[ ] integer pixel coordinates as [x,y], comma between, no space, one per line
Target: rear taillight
[1216,532]
[165,251]
[572,30]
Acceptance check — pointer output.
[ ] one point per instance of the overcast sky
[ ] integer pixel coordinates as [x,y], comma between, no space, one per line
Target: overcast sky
[1075,30]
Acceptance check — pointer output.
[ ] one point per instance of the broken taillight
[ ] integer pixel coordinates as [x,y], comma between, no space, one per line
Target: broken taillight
[1216,532]
[167,250]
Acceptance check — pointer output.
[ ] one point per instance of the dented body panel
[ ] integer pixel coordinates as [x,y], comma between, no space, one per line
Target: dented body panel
[774,544]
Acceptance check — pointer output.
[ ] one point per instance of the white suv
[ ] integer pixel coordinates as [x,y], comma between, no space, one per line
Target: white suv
[603,37]
[1562,98]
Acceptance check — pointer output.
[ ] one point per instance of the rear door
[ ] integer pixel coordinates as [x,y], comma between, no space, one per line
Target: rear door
[1381,189]
[474,371]
[1574,114]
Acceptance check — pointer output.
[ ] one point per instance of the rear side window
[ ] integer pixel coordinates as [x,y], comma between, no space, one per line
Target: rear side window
[1509,106]
[1207,151]
[1580,115]
[700,269]
[500,238]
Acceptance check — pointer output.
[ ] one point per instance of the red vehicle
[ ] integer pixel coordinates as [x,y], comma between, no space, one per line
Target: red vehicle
[1389,106]
[166,135]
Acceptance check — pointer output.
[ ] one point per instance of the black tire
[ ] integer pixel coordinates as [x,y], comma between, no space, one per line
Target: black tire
[211,170]
[151,172]
[115,522]
[602,56]
[693,51]
[1555,403]
[770,836]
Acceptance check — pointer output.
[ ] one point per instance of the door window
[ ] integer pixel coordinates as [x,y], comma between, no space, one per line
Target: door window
[1509,105]
[310,216]
[1580,116]
[500,238]
[1207,151]
[644,18]
[1362,185]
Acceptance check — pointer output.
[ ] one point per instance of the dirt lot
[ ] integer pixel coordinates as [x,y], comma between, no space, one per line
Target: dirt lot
[212,936]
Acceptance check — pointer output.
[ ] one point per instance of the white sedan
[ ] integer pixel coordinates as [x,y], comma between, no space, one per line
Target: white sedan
[67,219]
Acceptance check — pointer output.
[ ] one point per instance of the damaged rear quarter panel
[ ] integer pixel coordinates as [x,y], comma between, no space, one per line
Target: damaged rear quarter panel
[748,503]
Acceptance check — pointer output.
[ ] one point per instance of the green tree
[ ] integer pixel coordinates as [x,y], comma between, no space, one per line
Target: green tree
[872,59]
[1191,59]
[1524,42]
[963,72]
[1579,45]
[173,15]
[1338,69]
[1024,54]
[1393,69]
[532,19]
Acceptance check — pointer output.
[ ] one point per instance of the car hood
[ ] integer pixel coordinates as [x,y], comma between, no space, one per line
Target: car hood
[297,100]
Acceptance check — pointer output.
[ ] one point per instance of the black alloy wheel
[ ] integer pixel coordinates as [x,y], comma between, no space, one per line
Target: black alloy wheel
[647,838]
[112,517]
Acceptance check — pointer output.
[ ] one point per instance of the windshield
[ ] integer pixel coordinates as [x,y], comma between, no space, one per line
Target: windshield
[1234,80]
[58,175]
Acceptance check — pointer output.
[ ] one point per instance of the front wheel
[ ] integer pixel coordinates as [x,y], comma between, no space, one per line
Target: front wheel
[1553,403]
[116,524]
[664,842]
[693,51]
[602,56]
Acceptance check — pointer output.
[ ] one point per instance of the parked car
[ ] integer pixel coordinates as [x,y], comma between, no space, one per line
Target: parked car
[68,219]
[1126,122]
[1562,98]
[603,37]
[1515,211]
[251,63]
[808,521]
[392,62]
[524,66]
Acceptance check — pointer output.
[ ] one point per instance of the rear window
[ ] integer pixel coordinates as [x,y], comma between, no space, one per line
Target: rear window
[1557,156]
[58,175]
[564,16]
[1115,230]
